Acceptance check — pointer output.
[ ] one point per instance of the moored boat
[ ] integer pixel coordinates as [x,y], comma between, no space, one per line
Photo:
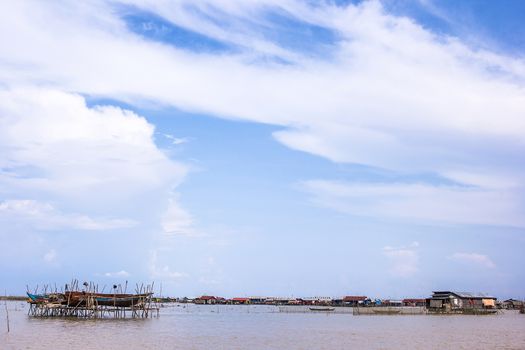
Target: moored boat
[381,311]
[37,297]
[45,298]
[322,308]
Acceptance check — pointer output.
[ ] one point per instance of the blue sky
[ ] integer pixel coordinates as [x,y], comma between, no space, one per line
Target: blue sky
[264,148]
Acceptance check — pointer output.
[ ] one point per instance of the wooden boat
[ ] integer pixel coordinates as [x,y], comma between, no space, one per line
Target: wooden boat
[45,298]
[122,301]
[322,308]
[36,298]
[386,312]
[75,298]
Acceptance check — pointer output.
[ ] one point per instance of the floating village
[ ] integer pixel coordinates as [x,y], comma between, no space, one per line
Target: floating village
[441,302]
[86,301]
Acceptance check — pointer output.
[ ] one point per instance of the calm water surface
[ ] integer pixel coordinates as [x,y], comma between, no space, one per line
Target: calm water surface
[262,327]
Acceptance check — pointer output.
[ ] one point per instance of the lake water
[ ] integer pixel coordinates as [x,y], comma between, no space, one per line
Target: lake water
[262,327]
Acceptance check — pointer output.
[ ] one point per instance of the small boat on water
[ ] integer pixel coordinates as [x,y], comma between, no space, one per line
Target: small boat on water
[386,311]
[37,297]
[322,308]
[45,298]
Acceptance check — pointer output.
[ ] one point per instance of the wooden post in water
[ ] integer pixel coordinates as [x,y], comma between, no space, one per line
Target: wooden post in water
[6,311]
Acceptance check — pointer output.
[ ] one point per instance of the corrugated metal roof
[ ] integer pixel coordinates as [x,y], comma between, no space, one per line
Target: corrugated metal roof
[317,298]
[465,295]
[474,295]
[354,298]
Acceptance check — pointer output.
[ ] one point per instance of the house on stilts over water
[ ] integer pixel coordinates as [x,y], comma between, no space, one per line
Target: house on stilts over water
[449,302]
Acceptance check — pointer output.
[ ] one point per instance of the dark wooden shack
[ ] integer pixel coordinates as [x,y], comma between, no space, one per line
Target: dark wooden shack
[460,302]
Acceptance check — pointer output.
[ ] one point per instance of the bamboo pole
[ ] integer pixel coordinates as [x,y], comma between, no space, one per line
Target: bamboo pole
[6,311]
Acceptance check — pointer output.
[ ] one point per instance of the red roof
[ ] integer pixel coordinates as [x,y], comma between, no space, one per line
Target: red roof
[207,297]
[354,298]
[241,299]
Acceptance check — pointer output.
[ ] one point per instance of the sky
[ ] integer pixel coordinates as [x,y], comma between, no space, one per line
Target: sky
[264,147]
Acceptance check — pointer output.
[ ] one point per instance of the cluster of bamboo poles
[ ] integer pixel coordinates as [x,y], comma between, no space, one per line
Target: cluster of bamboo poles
[85,301]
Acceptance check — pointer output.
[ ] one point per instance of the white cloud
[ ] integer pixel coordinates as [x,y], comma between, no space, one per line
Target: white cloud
[404,260]
[166,273]
[437,203]
[176,140]
[95,161]
[209,281]
[50,256]
[119,274]
[473,259]
[163,272]
[391,94]
[176,220]
[52,142]
[46,216]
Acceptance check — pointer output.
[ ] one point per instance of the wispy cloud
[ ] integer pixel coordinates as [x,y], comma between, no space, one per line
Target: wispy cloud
[50,256]
[176,140]
[162,272]
[176,220]
[211,272]
[392,94]
[424,202]
[46,216]
[404,260]
[473,259]
[119,274]
[352,84]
